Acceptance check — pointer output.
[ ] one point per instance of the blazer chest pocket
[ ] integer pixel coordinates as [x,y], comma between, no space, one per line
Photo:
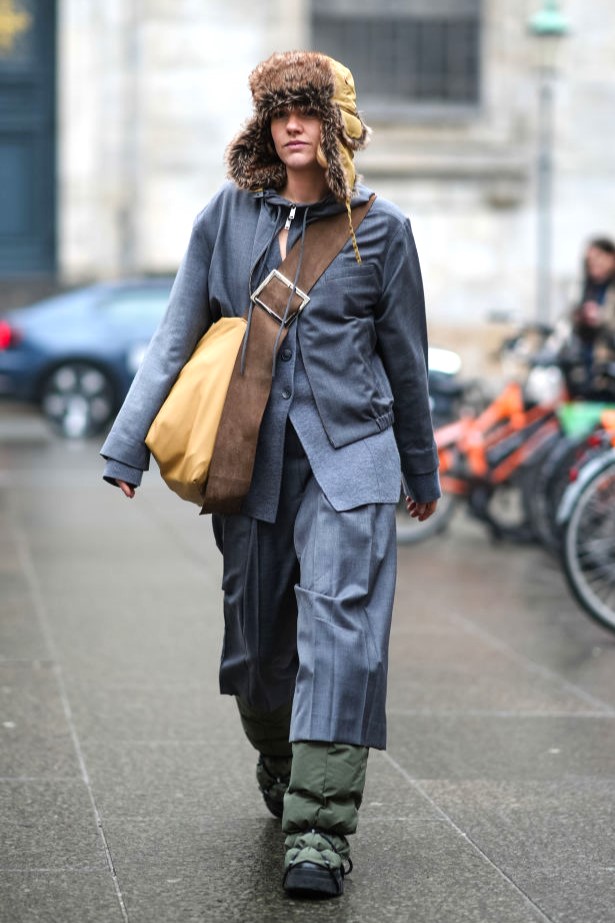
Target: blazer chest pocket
[354,293]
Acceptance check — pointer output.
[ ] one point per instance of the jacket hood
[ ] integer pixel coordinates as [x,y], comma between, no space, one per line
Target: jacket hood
[309,81]
[325,207]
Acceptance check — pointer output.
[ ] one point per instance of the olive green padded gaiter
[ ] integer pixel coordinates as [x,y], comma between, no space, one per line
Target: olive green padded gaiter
[326,787]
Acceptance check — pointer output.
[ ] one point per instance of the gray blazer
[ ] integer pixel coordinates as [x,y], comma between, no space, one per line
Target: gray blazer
[363,336]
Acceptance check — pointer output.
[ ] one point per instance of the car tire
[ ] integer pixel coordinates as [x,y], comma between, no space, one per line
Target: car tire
[78,399]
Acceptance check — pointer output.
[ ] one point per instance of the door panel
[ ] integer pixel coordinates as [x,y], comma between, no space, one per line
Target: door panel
[16,171]
[27,136]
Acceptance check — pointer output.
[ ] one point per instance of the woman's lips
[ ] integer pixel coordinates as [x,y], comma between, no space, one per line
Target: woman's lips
[295,144]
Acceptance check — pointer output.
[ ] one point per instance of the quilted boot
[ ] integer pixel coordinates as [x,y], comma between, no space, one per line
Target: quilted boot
[320,810]
[272,777]
[268,733]
[315,863]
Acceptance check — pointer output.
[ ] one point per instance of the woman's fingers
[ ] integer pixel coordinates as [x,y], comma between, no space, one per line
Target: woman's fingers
[421,511]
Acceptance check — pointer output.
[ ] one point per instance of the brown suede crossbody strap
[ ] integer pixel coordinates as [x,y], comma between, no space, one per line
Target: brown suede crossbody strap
[232,464]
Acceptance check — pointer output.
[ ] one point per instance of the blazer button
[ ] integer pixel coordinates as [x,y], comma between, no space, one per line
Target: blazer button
[287,394]
[286,354]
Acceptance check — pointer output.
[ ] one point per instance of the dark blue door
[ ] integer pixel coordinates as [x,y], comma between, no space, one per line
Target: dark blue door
[27,136]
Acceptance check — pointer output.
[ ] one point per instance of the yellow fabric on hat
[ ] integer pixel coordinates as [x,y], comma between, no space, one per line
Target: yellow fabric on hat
[345,98]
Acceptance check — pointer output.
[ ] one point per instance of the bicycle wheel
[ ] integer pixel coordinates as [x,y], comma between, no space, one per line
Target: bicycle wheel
[531,481]
[556,487]
[410,531]
[589,547]
[550,482]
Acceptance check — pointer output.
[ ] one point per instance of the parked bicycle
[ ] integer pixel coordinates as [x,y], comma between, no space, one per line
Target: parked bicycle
[547,477]
[586,517]
[535,465]
[482,458]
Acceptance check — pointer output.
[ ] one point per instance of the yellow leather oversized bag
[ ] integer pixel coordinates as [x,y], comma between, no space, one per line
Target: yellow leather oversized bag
[183,433]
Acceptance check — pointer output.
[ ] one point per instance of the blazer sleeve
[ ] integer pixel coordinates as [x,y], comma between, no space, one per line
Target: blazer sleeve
[402,337]
[186,319]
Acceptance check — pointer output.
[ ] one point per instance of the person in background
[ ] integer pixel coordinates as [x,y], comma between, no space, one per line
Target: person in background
[309,564]
[593,324]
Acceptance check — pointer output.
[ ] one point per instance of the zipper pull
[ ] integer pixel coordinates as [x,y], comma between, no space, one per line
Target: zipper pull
[291,215]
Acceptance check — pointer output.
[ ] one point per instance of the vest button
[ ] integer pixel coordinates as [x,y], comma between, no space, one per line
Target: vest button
[287,394]
[286,354]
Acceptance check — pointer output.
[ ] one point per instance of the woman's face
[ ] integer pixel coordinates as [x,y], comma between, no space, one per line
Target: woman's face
[600,265]
[296,136]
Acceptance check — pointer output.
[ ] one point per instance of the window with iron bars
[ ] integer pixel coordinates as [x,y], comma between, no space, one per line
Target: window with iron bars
[404,53]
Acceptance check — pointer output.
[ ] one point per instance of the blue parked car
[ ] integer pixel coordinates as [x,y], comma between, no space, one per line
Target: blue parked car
[75,355]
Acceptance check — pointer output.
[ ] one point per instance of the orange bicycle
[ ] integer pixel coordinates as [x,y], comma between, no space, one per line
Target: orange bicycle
[482,458]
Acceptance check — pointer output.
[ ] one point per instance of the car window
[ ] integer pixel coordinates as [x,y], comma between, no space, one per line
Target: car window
[140,305]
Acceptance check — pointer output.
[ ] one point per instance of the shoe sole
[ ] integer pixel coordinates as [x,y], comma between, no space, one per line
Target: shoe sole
[306,879]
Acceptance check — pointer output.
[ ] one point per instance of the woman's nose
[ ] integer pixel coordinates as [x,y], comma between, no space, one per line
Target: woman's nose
[293,122]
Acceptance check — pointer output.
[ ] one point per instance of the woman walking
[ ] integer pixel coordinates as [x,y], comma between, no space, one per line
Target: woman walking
[309,562]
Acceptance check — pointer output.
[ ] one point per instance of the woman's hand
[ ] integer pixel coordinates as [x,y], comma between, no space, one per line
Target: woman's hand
[127,489]
[421,511]
[590,314]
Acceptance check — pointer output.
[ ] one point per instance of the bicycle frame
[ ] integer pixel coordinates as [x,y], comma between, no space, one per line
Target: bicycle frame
[590,469]
[491,447]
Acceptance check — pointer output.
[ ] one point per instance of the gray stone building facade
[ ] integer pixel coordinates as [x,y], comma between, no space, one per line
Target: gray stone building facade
[149,92]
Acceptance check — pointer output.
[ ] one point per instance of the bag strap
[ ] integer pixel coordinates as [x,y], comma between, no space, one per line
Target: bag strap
[323,241]
[232,463]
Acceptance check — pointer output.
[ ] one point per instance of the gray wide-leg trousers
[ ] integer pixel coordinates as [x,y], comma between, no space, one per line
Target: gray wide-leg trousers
[307,608]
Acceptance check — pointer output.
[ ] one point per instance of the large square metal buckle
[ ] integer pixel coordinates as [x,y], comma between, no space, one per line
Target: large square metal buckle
[275,274]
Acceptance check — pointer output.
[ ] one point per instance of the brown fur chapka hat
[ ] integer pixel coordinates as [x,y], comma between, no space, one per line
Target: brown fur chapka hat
[313,82]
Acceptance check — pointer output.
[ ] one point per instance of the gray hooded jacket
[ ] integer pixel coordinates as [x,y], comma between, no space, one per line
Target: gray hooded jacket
[362,337]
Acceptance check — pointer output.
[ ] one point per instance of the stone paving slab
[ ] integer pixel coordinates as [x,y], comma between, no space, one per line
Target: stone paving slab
[464,672]
[410,862]
[429,881]
[126,713]
[20,634]
[48,825]
[502,746]
[35,896]
[34,737]
[159,780]
[554,838]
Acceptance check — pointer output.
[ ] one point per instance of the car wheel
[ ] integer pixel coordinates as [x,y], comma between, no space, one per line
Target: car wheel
[78,399]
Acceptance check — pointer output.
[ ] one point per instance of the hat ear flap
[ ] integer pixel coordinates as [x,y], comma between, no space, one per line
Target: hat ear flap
[251,157]
[331,134]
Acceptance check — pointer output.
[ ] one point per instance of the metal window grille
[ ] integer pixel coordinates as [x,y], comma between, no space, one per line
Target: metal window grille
[411,52]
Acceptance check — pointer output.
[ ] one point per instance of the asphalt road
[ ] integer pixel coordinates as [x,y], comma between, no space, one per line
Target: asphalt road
[127,791]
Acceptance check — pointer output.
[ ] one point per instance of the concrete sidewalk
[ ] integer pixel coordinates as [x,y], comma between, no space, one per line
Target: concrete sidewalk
[127,791]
